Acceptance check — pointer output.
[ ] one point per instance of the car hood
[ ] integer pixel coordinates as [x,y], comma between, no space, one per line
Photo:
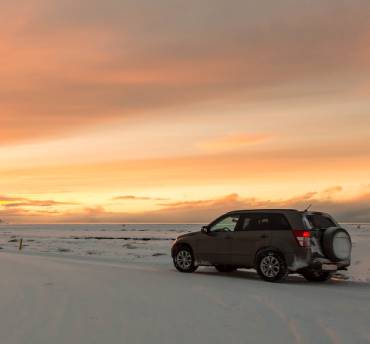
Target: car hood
[188,235]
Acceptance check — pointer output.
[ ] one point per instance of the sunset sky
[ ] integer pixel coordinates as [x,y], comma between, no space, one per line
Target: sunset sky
[176,111]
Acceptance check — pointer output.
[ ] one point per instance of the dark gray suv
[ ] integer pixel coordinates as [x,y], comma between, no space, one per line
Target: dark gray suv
[275,242]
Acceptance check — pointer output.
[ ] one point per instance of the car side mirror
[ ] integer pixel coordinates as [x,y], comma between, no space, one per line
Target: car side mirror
[204,229]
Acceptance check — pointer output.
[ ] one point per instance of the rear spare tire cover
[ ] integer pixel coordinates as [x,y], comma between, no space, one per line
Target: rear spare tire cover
[337,244]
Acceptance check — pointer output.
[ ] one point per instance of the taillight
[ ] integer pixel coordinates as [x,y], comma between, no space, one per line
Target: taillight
[303,237]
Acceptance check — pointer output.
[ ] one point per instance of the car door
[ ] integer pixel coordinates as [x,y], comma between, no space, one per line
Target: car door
[253,233]
[214,246]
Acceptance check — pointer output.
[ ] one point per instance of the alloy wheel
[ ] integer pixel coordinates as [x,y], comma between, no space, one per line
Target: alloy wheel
[184,259]
[270,266]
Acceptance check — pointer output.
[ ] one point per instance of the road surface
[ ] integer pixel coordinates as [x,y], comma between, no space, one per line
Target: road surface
[55,300]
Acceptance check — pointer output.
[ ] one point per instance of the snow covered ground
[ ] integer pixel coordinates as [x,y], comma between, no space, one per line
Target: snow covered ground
[104,284]
[146,243]
[136,243]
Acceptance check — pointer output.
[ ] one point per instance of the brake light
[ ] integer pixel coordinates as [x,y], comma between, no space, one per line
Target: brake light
[303,237]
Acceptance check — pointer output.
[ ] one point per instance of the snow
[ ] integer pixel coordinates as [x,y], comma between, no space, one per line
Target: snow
[54,291]
[126,243]
[140,242]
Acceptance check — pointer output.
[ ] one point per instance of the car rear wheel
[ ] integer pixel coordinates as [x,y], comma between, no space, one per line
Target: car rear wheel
[271,266]
[225,268]
[316,276]
[184,260]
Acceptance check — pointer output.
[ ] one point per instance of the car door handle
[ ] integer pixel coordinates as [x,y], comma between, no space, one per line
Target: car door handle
[263,236]
[228,237]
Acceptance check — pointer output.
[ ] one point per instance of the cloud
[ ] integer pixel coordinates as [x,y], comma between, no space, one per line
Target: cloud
[66,66]
[25,210]
[16,215]
[35,203]
[4,199]
[355,209]
[14,202]
[332,191]
[232,198]
[233,141]
[137,198]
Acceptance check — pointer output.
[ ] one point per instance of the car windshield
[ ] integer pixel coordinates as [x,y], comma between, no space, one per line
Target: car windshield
[320,221]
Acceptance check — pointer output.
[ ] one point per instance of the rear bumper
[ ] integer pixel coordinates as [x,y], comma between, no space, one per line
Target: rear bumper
[322,264]
[303,260]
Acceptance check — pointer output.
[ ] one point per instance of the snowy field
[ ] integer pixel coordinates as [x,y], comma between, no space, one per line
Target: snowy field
[116,284]
[129,243]
[145,243]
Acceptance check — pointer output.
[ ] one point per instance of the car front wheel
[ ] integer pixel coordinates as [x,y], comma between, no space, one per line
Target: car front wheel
[184,260]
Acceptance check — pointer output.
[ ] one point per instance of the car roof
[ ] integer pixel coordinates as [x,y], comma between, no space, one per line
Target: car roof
[264,211]
[316,213]
[279,210]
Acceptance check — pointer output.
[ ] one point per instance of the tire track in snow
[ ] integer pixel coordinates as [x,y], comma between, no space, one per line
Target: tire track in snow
[216,299]
[329,332]
[291,324]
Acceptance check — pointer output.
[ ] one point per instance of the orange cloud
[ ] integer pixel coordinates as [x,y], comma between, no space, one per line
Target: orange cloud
[267,165]
[233,141]
[13,202]
[64,68]
[136,198]
[354,209]
[165,103]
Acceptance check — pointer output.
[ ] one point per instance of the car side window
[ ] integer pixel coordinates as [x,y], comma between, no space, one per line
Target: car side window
[246,223]
[262,222]
[254,222]
[226,224]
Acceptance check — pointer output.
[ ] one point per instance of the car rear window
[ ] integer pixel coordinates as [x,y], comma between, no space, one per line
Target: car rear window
[279,222]
[319,221]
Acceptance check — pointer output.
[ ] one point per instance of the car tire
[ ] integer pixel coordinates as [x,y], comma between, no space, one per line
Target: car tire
[225,268]
[335,249]
[184,260]
[271,266]
[316,276]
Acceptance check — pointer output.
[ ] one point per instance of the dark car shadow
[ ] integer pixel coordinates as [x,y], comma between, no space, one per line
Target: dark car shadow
[337,279]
